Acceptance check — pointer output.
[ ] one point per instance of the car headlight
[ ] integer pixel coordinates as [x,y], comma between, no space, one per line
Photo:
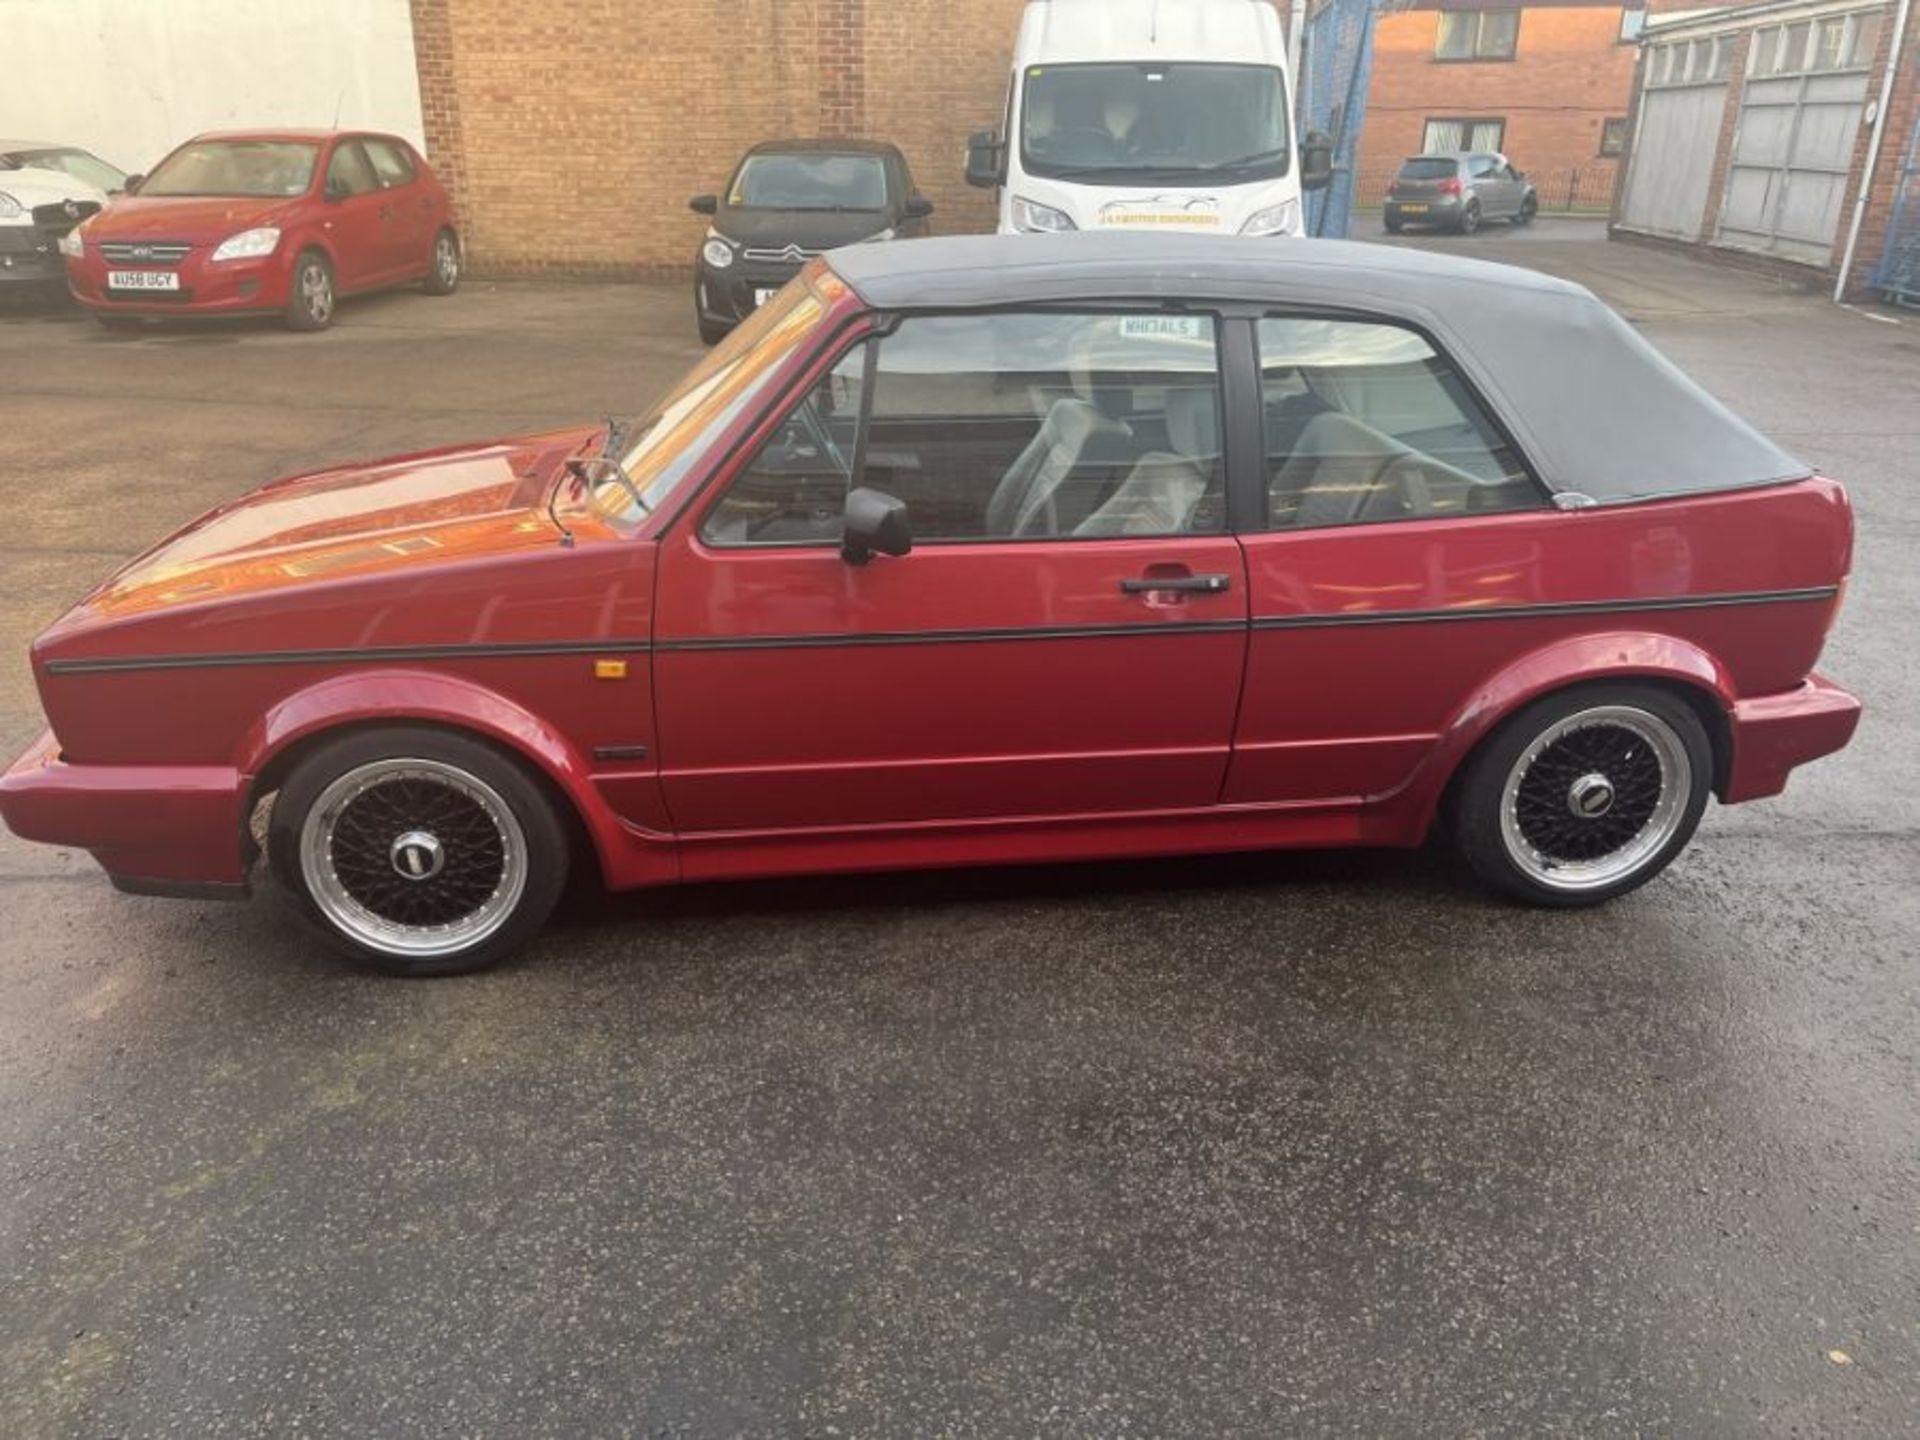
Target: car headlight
[10,208]
[248,244]
[1036,219]
[887,234]
[73,244]
[718,251]
[1281,219]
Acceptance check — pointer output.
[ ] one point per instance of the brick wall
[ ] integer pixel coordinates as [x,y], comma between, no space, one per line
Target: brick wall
[573,131]
[1569,74]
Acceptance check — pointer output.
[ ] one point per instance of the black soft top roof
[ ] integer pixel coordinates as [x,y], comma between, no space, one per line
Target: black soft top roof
[1598,411]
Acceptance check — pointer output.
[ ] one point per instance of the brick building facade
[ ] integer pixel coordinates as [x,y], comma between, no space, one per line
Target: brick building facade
[1547,83]
[573,131]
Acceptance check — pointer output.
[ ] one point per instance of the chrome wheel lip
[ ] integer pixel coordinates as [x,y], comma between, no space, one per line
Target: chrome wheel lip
[388,937]
[1669,812]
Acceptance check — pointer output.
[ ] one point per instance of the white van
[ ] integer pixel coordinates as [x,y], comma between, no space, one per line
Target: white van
[1164,114]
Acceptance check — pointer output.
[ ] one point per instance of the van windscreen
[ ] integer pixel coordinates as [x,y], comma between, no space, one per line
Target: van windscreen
[1156,122]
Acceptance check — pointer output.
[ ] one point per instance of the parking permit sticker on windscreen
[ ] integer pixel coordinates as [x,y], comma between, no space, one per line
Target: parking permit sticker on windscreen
[1163,327]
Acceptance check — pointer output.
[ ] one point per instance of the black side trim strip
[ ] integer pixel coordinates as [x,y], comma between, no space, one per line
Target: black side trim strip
[372,654]
[619,752]
[1532,612]
[947,637]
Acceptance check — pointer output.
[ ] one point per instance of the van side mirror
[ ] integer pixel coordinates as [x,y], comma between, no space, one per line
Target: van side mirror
[875,524]
[1316,160]
[986,160]
[704,204]
[918,208]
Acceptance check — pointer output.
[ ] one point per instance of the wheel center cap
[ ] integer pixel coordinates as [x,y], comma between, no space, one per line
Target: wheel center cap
[1591,796]
[417,855]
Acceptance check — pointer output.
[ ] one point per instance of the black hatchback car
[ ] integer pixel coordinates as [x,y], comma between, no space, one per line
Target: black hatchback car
[787,201]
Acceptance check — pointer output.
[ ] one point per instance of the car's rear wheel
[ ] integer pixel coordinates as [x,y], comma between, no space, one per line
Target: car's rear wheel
[418,851]
[1393,224]
[443,271]
[1584,795]
[1470,218]
[1529,207]
[311,303]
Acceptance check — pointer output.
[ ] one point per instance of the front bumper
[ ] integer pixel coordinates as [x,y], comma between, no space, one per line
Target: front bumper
[729,296]
[1774,733]
[169,830]
[29,256]
[233,287]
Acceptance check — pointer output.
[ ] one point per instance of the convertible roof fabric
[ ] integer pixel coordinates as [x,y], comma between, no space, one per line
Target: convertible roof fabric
[1598,411]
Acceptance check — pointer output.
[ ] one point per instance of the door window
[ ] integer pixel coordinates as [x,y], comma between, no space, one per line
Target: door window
[1367,422]
[390,162]
[1014,426]
[348,173]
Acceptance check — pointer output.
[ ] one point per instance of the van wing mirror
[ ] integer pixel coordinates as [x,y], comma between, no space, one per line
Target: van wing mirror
[986,160]
[875,524]
[1316,160]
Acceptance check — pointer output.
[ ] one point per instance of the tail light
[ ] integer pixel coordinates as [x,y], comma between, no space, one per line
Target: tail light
[1450,186]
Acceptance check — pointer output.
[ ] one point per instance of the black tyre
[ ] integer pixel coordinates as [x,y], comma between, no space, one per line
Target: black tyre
[1584,795]
[418,851]
[311,304]
[1470,218]
[1529,207]
[1394,225]
[443,270]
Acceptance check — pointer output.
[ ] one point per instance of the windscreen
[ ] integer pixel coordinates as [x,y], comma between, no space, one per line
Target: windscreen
[1169,122]
[235,167]
[89,169]
[810,180]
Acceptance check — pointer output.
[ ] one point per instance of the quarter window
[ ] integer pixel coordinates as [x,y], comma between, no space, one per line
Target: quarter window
[1477,34]
[1009,426]
[348,173]
[1366,422]
[390,162]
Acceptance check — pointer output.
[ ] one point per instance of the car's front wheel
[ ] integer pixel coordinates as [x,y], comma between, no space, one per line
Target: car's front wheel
[1584,795]
[419,851]
[311,299]
[1529,207]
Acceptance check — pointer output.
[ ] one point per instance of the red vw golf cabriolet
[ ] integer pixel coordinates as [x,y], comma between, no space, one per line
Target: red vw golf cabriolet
[979,550]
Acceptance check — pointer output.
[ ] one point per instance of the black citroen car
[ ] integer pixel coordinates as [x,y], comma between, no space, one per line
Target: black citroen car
[787,201]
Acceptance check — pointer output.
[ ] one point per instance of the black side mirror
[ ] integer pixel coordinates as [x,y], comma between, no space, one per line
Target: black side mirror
[704,204]
[986,160]
[131,185]
[918,208]
[875,524]
[1316,160]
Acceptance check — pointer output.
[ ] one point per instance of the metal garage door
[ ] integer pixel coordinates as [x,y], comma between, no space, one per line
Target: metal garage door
[1671,169]
[1799,118]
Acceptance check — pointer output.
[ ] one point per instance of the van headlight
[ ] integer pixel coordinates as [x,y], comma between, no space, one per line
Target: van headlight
[1281,219]
[718,251]
[1033,218]
[73,244]
[248,244]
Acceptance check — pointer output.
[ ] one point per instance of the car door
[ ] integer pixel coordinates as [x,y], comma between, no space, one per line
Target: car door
[1388,545]
[1066,637]
[409,226]
[356,220]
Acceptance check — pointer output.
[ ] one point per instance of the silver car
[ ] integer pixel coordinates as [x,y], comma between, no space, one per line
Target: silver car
[1457,190]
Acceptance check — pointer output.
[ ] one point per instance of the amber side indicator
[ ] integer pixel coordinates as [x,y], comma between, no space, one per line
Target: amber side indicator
[609,669]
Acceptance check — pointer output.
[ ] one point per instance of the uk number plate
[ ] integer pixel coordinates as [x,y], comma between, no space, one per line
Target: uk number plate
[762,295]
[142,280]
[1413,209]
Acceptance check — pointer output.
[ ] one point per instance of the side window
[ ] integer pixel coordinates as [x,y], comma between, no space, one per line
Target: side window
[1032,426]
[1366,422]
[348,173]
[1480,167]
[390,162]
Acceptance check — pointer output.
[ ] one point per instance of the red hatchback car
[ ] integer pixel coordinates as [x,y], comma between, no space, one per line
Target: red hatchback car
[268,221]
[979,550]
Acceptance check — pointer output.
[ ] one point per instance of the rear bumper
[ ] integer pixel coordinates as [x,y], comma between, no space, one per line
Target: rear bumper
[1443,210]
[174,829]
[1774,733]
